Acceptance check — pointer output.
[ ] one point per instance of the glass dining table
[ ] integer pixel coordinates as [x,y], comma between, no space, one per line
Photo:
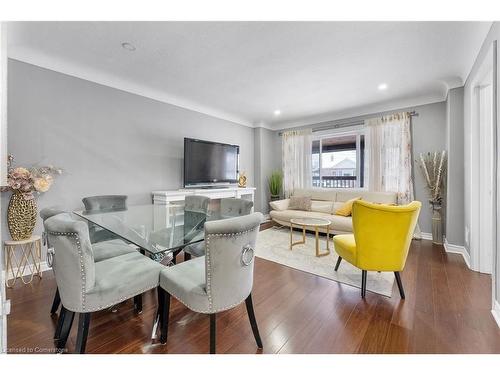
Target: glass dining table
[157,230]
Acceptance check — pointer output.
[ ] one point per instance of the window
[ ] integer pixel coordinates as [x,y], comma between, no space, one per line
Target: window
[338,160]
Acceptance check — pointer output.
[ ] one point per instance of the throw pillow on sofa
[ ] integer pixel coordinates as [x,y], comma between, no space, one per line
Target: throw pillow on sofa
[300,203]
[346,208]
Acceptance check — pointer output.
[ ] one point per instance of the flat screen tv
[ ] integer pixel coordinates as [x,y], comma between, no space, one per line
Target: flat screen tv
[209,163]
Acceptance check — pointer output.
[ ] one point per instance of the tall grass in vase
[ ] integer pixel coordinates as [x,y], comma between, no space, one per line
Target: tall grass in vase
[433,166]
[275,182]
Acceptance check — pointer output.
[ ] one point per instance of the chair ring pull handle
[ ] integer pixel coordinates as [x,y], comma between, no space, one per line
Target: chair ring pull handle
[247,255]
[50,256]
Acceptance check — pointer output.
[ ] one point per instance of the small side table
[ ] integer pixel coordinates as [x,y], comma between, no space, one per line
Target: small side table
[311,223]
[30,248]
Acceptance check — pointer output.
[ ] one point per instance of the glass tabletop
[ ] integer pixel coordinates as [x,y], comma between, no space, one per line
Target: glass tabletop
[309,221]
[154,228]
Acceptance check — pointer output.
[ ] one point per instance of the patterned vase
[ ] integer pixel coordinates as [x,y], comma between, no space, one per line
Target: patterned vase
[21,217]
[437,225]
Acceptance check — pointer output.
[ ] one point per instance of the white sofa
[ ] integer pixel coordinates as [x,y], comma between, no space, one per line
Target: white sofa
[324,202]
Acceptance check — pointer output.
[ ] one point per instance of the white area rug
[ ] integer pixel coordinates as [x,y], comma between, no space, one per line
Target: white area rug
[274,244]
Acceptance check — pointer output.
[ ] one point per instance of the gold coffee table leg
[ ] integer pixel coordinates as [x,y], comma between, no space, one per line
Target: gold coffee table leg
[297,242]
[318,254]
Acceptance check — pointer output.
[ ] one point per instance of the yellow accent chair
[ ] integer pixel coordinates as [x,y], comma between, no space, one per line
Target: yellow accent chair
[381,239]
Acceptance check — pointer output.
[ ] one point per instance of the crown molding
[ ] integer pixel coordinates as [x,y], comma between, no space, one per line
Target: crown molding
[392,105]
[41,60]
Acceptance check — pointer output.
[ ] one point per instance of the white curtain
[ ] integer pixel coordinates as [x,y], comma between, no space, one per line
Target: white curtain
[296,159]
[390,157]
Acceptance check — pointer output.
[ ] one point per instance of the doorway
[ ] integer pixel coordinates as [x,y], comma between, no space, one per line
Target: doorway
[483,244]
[486,182]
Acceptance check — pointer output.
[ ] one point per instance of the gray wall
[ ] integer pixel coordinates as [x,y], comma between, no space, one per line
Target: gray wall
[429,134]
[107,141]
[455,181]
[267,153]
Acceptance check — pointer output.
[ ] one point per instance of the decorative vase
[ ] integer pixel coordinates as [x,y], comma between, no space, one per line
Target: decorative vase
[21,216]
[437,225]
[275,197]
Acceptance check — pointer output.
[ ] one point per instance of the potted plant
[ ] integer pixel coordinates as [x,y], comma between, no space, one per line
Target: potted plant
[275,184]
[22,209]
[433,165]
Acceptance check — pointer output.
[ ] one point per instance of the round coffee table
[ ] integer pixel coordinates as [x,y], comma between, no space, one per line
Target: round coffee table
[311,223]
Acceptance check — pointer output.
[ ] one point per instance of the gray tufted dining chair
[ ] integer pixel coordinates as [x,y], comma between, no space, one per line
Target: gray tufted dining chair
[103,250]
[229,207]
[100,203]
[86,286]
[220,280]
[195,215]
[233,207]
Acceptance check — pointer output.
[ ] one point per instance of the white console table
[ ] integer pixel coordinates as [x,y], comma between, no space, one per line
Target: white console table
[166,197]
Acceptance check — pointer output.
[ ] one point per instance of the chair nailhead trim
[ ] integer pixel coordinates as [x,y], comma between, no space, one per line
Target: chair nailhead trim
[83,277]
[210,311]
[208,266]
[116,301]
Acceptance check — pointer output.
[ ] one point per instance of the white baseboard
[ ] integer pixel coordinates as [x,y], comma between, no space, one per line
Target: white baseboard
[426,236]
[43,267]
[457,249]
[496,313]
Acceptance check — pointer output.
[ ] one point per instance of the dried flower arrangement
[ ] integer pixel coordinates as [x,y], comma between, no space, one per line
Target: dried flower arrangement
[26,181]
[433,165]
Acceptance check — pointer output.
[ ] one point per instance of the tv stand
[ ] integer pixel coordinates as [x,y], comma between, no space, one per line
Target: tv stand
[210,187]
[166,197]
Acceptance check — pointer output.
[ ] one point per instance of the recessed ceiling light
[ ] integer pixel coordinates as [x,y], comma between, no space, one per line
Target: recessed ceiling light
[382,86]
[277,112]
[128,46]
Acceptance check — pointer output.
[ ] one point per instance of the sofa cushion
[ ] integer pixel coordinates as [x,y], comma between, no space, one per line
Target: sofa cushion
[380,197]
[322,206]
[339,223]
[343,195]
[318,194]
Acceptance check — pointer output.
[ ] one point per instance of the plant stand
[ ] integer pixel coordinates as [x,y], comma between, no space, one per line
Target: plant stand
[30,248]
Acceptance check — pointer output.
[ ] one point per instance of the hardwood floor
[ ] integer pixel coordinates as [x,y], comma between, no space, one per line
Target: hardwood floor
[447,310]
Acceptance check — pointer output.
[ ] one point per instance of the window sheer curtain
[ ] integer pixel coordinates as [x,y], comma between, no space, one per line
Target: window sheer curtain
[390,157]
[296,158]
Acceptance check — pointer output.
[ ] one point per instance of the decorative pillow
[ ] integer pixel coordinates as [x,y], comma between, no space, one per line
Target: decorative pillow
[346,209]
[336,206]
[300,203]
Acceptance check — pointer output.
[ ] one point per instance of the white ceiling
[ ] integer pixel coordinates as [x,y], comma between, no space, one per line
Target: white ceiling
[243,71]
